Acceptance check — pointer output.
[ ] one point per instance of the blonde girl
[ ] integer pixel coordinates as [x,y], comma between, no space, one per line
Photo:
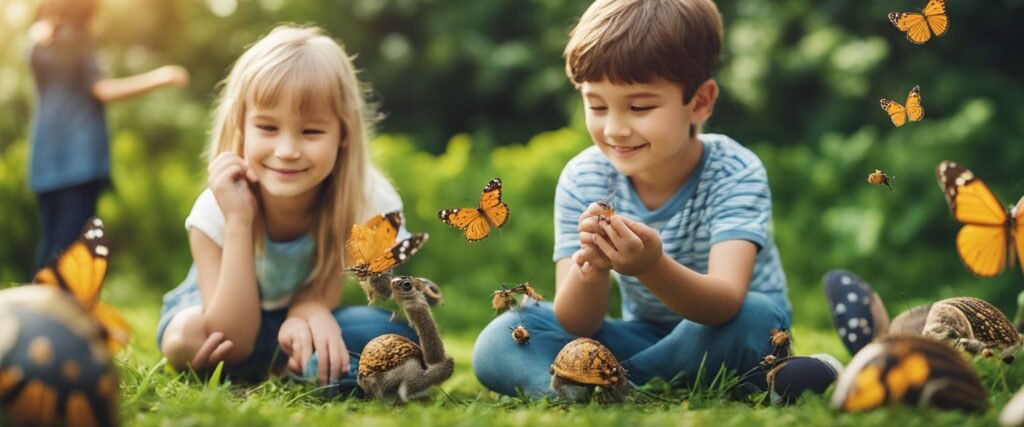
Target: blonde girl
[288,175]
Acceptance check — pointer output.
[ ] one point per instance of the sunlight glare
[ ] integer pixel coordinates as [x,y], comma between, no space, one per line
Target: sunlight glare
[222,8]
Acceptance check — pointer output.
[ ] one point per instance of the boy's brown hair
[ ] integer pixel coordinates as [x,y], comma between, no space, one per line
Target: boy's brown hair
[639,41]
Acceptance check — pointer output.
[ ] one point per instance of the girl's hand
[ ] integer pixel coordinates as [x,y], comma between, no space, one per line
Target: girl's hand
[631,247]
[296,341]
[212,352]
[229,179]
[332,355]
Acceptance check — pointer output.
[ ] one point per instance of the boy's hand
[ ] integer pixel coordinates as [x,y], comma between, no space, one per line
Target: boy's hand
[589,258]
[229,179]
[631,247]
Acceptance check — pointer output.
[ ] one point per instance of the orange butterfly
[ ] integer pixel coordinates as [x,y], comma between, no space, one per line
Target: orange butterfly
[80,271]
[372,247]
[920,26]
[899,114]
[476,223]
[991,233]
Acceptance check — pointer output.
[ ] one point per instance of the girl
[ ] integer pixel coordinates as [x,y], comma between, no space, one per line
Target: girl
[289,174]
[70,156]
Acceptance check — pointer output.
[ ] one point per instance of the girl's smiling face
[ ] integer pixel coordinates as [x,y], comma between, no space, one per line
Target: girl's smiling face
[292,150]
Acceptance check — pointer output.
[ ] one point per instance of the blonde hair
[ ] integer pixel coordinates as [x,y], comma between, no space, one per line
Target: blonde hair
[638,41]
[314,70]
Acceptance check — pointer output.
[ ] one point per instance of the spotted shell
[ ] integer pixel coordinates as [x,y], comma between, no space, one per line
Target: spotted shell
[987,323]
[589,362]
[385,352]
[54,365]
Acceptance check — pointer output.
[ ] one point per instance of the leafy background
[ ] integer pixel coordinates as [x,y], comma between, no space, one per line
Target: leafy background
[476,89]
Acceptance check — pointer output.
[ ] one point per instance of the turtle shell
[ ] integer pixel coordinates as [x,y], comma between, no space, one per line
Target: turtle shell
[385,352]
[589,362]
[908,369]
[55,367]
[987,323]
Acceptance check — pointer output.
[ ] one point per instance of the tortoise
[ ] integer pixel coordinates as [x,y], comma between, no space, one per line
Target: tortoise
[55,367]
[973,325]
[584,365]
[392,366]
[908,369]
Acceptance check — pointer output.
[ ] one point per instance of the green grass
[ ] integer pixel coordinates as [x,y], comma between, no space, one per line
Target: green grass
[152,395]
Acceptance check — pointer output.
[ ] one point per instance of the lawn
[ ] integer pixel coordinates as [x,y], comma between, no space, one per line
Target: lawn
[152,395]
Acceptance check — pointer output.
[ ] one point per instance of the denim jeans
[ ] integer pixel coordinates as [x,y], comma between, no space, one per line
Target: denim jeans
[63,213]
[359,325]
[646,350]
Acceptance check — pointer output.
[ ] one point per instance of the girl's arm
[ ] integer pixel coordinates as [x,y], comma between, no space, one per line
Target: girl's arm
[117,89]
[581,301]
[227,281]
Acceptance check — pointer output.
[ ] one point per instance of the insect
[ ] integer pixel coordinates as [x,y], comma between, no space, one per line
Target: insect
[80,271]
[606,211]
[476,223]
[908,369]
[520,335]
[973,325]
[373,252]
[899,113]
[503,300]
[55,367]
[526,289]
[880,178]
[991,233]
[920,26]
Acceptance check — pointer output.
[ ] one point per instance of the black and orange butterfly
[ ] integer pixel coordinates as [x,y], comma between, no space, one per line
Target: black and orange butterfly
[899,114]
[372,249]
[920,26]
[80,271]
[991,233]
[476,223]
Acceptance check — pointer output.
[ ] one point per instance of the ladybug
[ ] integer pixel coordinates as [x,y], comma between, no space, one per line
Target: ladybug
[55,368]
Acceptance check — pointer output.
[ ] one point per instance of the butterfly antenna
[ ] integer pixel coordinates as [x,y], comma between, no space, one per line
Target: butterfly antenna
[903,296]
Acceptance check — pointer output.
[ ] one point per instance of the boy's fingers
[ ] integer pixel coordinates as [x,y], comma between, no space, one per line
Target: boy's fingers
[627,239]
[607,248]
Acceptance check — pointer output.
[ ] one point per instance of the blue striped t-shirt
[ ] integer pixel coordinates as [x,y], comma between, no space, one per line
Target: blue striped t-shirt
[726,198]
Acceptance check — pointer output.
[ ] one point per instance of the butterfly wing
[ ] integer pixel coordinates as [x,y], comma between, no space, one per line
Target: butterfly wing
[373,238]
[914,24]
[982,242]
[915,111]
[471,221]
[81,268]
[398,253]
[896,112]
[935,14]
[117,332]
[491,204]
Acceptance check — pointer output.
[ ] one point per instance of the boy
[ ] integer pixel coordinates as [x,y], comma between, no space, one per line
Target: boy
[689,243]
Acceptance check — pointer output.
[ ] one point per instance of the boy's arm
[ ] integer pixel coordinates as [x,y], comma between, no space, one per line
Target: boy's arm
[117,89]
[581,301]
[710,299]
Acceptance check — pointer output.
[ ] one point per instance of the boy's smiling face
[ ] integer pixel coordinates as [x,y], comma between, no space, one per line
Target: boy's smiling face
[642,128]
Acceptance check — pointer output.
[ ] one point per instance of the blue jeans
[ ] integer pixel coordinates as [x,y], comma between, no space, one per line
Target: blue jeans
[646,350]
[63,214]
[359,325]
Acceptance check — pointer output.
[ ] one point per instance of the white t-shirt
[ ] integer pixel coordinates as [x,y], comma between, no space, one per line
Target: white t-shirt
[285,266]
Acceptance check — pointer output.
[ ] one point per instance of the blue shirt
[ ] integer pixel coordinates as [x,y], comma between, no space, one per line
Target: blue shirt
[726,198]
[69,133]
